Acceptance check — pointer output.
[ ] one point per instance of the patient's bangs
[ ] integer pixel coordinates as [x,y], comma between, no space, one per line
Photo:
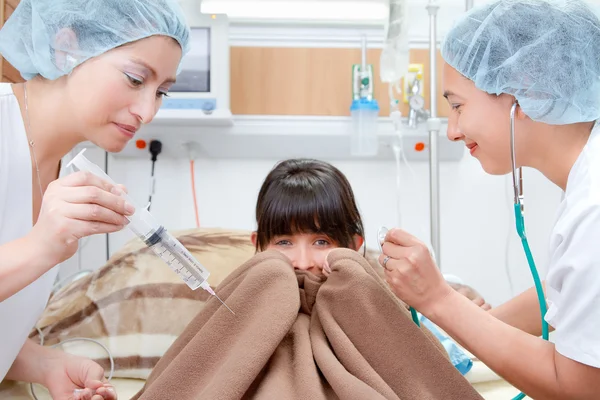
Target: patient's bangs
[305,211]
[293,211]
[307,196]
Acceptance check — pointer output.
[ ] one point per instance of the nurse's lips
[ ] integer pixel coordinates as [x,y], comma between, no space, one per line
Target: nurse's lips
[127,130]
[472,147]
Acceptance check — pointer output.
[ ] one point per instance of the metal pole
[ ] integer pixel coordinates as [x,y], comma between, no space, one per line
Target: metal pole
[434,126]
[363,41]
[468,4]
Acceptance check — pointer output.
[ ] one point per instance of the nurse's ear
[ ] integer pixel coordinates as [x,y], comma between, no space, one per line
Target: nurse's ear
[520,114]
[65,44]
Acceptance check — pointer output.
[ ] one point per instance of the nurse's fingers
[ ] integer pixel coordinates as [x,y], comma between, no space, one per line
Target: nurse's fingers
[93,384]
[479,301]
[95,195]
[82,394]
[396,275]
[95,213]
[396,269]
[106,393]
[83,229]
[84,178]
[395,251]
[416,255]
[401,238]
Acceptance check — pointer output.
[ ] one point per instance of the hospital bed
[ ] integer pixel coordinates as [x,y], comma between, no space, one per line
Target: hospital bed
[136,307]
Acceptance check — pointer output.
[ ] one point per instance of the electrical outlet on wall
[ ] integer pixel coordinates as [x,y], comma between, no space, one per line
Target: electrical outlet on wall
[193,149]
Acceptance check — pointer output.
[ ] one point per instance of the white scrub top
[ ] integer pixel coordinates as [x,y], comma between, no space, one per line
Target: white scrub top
[19,313]
[573,281]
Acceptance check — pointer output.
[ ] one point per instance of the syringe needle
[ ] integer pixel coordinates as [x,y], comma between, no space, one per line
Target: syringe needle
[224,304]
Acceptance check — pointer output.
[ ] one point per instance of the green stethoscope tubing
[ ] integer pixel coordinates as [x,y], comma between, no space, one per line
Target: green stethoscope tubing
[520,225]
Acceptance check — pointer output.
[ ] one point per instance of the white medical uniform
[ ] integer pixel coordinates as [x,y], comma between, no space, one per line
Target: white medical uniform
[19,313]
[573,281]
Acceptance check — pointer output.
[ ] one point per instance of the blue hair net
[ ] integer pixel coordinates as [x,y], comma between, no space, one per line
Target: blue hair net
[27,40]
[545,53]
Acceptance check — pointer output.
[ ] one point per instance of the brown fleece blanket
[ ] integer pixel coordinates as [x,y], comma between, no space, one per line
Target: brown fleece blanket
[299,336]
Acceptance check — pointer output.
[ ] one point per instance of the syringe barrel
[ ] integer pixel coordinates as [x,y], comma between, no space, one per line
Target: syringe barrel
[141,222]
[167,247]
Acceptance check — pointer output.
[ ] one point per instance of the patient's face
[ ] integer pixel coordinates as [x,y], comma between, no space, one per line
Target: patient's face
[307,251]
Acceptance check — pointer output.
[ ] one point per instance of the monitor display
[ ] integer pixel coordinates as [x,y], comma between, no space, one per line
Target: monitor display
[195,66]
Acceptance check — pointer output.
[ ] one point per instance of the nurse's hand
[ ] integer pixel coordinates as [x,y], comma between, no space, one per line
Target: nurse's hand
[75,378]
[412,273]
[73,207]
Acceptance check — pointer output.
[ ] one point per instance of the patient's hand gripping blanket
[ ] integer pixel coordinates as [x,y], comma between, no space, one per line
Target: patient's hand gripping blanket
[298,336]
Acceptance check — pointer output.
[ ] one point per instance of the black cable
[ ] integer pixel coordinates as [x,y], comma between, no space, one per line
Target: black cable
[155,150]
[151,185]
[106,171]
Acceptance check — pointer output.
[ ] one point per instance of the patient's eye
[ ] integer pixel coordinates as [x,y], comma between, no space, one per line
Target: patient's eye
[322,242]
[283,242]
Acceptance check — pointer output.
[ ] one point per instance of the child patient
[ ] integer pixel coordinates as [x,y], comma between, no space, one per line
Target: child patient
[296,334]
[306,208]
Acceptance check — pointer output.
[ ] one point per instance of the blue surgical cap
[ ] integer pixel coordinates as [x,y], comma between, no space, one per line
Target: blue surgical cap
[544,53]
[27,40]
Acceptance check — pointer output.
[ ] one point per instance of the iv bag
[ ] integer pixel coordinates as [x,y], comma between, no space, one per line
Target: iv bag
[394,57]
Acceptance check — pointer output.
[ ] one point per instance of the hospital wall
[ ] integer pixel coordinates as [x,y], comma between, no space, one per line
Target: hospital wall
[478,241]
[477,228]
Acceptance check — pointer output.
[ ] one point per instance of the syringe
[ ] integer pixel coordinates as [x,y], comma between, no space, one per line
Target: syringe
[155,236]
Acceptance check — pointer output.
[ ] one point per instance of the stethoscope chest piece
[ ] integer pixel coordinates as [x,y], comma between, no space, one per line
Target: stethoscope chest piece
[381,234]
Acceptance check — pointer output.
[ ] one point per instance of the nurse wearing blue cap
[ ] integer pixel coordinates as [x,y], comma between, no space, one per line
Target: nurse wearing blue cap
[537,63]
[95,70]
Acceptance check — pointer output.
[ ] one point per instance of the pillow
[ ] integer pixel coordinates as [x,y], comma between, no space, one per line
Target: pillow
[135,305]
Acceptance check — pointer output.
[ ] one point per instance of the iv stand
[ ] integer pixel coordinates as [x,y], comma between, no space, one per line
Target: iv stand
[434,125]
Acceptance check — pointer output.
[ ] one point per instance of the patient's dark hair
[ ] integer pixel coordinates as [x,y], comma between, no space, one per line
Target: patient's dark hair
[307,196]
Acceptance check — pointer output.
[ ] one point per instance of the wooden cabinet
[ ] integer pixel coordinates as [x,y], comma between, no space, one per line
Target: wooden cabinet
[311,81]
[7,72]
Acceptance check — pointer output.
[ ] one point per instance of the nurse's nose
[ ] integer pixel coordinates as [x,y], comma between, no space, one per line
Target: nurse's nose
[145,108]
[454,133]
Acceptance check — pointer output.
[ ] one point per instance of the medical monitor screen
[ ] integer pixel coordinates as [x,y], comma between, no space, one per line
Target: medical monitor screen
[195,66]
